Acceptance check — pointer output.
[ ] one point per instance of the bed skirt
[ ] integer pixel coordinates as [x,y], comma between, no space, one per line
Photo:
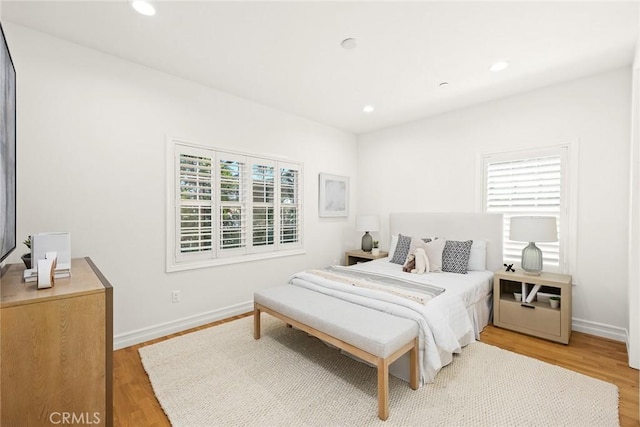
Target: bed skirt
[481,314]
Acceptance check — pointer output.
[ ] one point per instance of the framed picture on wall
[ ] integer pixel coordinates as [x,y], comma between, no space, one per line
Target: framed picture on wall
[333,200]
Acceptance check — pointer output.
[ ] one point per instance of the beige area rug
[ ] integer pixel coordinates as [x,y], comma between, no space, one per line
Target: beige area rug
[221,376]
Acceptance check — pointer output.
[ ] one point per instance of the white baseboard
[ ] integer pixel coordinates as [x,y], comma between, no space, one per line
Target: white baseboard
[599,329]
[163,329]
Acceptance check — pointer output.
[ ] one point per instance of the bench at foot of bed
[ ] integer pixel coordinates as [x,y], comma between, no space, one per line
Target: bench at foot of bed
[376,337]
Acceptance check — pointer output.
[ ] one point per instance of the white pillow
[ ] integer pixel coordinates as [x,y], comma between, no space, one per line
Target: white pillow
[392,246]
[415,244]
[478,256]
[434,252]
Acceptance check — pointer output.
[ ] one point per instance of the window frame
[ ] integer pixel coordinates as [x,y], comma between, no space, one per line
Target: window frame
[176,260]
[568,152]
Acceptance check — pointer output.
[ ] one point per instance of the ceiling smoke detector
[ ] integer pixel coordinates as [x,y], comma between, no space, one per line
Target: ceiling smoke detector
[349,43]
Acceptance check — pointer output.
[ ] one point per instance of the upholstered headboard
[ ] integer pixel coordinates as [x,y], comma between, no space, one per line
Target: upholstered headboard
[454,226]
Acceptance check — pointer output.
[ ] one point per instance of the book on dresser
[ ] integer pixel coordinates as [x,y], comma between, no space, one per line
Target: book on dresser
[61,271]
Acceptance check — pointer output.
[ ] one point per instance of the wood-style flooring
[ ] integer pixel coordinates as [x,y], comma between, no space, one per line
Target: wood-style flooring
[136,405]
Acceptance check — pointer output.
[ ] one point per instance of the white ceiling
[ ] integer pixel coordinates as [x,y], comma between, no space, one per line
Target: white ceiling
[288,55]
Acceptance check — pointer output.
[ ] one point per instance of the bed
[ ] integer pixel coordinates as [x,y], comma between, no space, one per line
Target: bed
[451,309]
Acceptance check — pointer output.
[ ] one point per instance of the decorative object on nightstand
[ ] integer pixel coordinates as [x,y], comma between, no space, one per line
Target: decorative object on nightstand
[554,302]
[375,250]
[367,223]
[533,229]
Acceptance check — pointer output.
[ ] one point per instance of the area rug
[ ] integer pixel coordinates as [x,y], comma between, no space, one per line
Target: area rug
[221,376]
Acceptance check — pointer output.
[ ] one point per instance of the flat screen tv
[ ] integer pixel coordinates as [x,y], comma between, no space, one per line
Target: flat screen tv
[7,150]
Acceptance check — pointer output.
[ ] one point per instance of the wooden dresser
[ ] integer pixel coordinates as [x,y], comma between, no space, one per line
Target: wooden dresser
[56,349]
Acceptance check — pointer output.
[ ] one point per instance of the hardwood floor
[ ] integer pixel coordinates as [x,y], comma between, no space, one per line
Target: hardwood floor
[135,403]
[590,355]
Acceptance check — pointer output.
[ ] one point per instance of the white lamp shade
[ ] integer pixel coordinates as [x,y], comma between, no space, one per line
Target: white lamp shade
[367,223]
[533,229]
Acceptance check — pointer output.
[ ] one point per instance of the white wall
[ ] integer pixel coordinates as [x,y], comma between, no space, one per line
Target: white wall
[91,147]
[435,159]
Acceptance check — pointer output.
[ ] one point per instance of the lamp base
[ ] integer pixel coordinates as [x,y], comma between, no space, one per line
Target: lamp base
[367,242]
[532,273]
[532,260]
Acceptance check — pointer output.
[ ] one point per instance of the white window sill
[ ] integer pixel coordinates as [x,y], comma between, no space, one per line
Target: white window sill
[216,262]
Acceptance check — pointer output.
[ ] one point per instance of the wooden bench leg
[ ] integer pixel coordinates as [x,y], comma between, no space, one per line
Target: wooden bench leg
[383,389]
[413,361]
[256,322]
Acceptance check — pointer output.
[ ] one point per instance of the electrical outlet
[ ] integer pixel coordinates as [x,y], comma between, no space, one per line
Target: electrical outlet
[176,296]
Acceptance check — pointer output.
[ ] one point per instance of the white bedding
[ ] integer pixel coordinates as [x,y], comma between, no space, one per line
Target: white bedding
[445,321]
[471,287]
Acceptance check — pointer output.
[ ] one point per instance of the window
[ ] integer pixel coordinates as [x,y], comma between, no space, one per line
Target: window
[530,183]
[226,207]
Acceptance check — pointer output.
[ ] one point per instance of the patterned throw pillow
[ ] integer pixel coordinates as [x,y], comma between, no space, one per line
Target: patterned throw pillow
[402,250]
[455,256]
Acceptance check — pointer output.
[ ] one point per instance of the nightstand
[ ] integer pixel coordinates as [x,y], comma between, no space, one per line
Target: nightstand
[533,315]
[358,256]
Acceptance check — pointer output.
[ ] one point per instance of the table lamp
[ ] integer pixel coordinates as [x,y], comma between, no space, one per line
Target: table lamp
[367,223]
[533,229]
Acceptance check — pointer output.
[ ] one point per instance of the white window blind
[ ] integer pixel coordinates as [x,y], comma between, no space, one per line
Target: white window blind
[263,178]
[232,224]
[230,205]
[194,202]
[290,205]
[529,184]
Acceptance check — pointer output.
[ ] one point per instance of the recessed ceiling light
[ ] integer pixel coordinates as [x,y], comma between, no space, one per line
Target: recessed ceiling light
[499,66]
[368,108]
[444,84]
[349,43]
[143,7]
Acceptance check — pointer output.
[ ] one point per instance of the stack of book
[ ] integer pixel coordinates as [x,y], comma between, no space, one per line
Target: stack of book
[62,270]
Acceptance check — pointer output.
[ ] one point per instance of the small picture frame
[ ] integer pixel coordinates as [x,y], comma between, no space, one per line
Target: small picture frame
[333,196]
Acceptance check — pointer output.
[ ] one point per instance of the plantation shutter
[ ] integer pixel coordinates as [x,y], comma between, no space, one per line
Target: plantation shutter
[290,205]
[225,207]
[263,193]
[194,206]
[528,185]
[232,176]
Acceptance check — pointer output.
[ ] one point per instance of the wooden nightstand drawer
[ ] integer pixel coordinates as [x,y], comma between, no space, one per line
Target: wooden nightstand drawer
[536,318]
